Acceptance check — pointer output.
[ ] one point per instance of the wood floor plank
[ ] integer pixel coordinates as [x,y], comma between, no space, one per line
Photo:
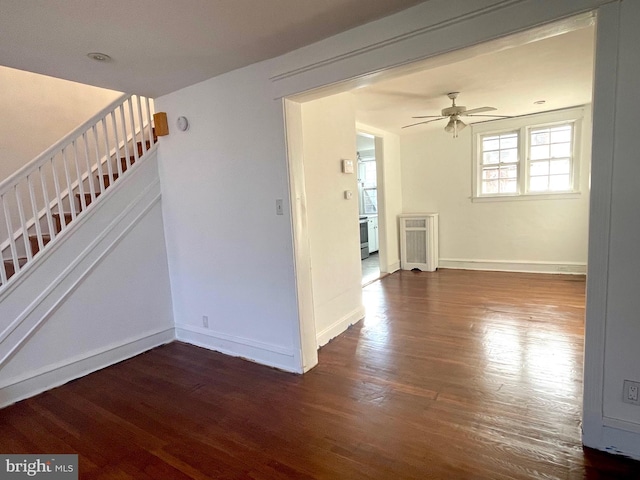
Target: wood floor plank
[452,374]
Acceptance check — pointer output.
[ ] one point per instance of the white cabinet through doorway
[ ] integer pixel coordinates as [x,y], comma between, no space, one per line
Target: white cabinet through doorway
[373,234]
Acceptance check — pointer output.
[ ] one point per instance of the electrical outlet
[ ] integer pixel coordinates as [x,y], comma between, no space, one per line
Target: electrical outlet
[205,321]
[631,392]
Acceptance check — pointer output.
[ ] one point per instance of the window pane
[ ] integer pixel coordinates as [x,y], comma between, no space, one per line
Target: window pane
[539,168]
[509,172]
[370,174]
[491,157]
[490,143]
[540,137]
[560,150]
[509,156]
[559,183]
[509,141]
[489,173]
[560,166]
[539,152]
[561,134]
[490,186]
[538,184]
[508,185]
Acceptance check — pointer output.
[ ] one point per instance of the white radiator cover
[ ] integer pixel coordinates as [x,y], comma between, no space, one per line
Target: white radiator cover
[419,241]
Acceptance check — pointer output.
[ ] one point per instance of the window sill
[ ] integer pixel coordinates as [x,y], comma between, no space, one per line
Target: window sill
[527,197]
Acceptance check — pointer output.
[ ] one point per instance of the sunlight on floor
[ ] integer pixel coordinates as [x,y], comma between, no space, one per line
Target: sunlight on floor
[370,268]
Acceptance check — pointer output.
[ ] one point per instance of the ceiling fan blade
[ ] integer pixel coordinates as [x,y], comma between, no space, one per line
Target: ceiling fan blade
[479,110]
[429,116]
[420,123]
[492,116]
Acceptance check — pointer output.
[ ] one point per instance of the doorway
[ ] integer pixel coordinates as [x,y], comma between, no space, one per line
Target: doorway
[368,207]
[415,200]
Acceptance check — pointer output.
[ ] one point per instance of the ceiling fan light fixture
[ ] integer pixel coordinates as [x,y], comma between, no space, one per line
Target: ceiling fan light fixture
[454,126]
[450,126]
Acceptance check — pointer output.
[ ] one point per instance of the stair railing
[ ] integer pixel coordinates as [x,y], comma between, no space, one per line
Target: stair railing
[41,199]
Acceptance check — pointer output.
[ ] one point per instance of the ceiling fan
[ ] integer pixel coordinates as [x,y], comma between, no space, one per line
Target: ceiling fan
[453,113]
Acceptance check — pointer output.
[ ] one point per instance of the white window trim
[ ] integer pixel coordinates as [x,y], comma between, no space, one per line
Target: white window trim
[524,124]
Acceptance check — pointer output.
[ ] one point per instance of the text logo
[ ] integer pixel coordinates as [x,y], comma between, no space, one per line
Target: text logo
[45,466]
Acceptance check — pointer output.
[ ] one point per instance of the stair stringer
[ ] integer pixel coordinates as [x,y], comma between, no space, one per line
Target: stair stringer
[100,295]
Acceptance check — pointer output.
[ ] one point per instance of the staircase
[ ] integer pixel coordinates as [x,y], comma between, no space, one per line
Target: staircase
[40,201]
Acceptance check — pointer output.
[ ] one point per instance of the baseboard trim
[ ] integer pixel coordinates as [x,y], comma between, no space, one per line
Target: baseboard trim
[616,437]
[524,266]
[335,329]
[258,352]
[32,383]
[394,267]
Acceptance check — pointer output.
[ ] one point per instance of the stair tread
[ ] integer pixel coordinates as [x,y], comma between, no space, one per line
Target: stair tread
[21,261]
[58,220]
[10,269]
[35,244]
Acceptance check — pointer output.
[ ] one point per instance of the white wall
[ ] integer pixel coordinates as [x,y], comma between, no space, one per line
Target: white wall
[388,167]
[99,296]
[621,350]
[328,136]
[38,110]
[229,253]
[531,235]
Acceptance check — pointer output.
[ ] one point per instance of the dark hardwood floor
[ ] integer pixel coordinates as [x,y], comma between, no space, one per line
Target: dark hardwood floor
[452,375]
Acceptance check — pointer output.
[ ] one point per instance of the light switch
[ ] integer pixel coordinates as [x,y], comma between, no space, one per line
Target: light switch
[348,194]
[279,208]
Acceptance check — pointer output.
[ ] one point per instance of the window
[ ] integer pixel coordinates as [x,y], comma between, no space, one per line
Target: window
[500,164]
[550,158]
[529,156]
[368,186]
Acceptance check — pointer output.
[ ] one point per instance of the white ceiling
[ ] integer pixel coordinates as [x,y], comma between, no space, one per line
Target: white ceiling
[557,69]
[159,46]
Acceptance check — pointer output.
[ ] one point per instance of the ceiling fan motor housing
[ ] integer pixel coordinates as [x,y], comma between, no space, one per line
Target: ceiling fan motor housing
[455,110]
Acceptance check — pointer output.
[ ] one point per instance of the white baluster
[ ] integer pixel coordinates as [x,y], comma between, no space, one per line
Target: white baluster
[3,270]
[23,222]
[72,203]
[150,117]
[125,138]
[133,131]
[98,162]
[115,132]
[92,188]
[12,241]
[80,182]
[56,184]
[107,154]
[142,137]
[34,211]
[47,203]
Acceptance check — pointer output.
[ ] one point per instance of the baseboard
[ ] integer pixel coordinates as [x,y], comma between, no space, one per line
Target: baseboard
[340,326]
[525,266]
[32,383]
[394,267]
[614,436]
[259,352]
